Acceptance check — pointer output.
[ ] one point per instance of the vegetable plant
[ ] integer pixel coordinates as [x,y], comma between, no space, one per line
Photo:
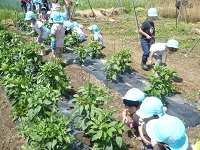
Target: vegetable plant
[94,49]
[161,83]
[51,133]
[118,64]
[71,40]
[80,54]
[105,132]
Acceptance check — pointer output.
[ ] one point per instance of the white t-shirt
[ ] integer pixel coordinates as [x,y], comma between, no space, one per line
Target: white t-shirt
[59,31]
[99,38]
[37,27]
[158,46]
[55,6]
[80,32]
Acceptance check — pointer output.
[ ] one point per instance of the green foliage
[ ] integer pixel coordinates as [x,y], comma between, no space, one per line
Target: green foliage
[72,40]
[21,23]
[118,64]
[53,75]
[81,54]
[161,83]
[106,133]
[94,49]
[51,133]
[10,4]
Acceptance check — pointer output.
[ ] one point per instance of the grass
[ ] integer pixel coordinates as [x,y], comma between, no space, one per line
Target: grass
[10,4]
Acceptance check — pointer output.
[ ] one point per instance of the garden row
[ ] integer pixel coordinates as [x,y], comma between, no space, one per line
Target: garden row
[34,87]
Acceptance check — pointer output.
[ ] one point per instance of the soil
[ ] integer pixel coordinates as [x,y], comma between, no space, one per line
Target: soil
[187,68]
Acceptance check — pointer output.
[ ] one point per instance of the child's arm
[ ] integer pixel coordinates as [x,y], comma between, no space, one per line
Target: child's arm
[147,142]
[41,32]
[151,56]
[124,116]
[144,33]
[33,30]
[155,145]
[51,35]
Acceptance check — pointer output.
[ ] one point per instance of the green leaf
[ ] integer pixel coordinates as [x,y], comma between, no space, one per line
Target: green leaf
[54,143]
[119,141]
[47,102]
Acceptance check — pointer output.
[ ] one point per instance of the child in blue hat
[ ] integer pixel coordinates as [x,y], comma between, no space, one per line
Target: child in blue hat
[132,100]
[57,35]
[97,36]
[38,27]
[158,49]
[168,131]
[147,31]
[151,108]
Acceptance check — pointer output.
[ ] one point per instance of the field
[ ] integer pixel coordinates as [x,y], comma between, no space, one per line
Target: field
[121,31]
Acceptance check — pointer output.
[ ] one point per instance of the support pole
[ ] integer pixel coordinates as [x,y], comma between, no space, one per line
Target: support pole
[92,9]
[109,15]
[135,16]
[164,7]
[192,48]
[176,17]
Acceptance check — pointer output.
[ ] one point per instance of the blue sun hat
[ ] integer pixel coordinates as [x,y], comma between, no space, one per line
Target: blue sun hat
[172,43]
[57,18]
[64,16]
[49,12]
[152,12]
[150,106]
[70,25]
[30,15]
[94,28]
[170,130]
[134,94]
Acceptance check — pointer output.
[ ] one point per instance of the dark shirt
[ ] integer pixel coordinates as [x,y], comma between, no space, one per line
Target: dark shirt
[149,28]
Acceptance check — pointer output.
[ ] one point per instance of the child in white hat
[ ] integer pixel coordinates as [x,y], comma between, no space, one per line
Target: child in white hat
[151,108]
[38,27]
[132,100]
[97,36]
[168,131]
[57,35]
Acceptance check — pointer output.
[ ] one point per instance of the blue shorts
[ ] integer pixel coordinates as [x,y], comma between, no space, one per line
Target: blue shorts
[53,45]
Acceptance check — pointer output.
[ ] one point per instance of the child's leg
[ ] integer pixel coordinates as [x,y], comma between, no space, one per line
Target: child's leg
[40,41]
[158,59]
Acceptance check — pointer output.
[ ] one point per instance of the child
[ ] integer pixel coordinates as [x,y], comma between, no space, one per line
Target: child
[57,35]
[132,101]
[148,33]
[158,49]
[97,35]
[55,6]
[43,16]
[38,27]
[181,3]
[167,130]
[74,27]
[151,108]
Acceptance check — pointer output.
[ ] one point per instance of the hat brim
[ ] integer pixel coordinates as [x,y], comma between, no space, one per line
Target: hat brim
[151,130]
[142,114]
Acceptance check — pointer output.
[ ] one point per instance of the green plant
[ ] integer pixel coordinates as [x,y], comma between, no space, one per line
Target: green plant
[80,54]
[94,49]
[51,133]
[105,132]
[72,40]
[161,83]
[52,74]
[118,64]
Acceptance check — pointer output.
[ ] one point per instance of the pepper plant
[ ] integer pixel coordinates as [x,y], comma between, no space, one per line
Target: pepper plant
[118,64]
[94,49]
[52,74]
[105,132]
[80,54]
[51,133]
[161,83]
[71,40]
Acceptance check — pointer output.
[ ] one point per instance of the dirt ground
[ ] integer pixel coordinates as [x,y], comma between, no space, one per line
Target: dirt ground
[187,68]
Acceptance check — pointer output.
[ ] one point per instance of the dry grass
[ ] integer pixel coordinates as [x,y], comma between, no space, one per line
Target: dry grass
[189,12]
